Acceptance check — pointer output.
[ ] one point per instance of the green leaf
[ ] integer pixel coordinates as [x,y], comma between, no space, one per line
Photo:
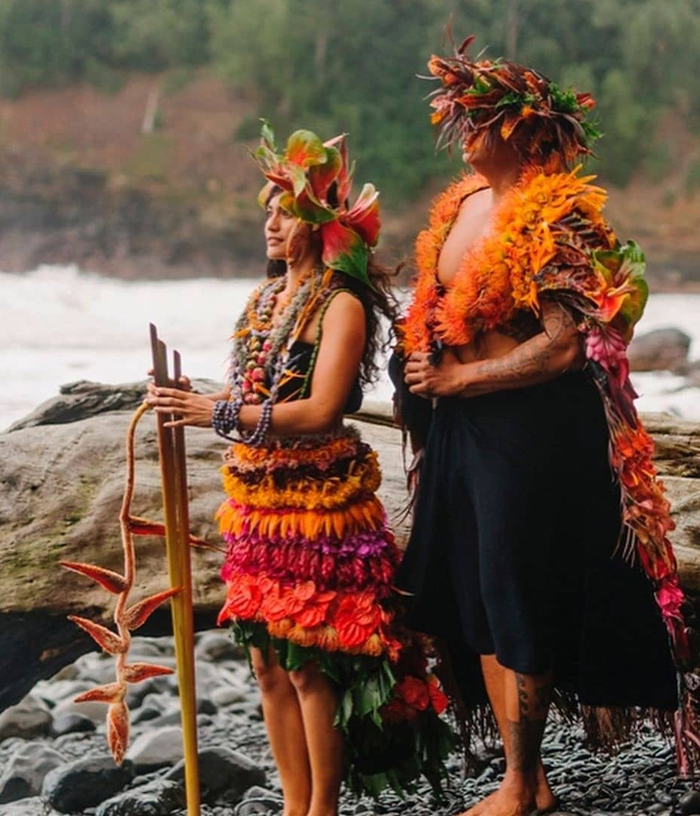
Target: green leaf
[267,135]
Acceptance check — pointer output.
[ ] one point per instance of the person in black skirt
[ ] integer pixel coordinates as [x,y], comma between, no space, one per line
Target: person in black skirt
[539,552]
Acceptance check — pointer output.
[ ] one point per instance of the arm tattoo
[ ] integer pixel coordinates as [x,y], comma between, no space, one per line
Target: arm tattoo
[536,360]
[526,733]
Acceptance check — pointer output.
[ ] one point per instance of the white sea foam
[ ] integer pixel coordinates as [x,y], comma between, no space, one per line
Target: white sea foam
[58,324]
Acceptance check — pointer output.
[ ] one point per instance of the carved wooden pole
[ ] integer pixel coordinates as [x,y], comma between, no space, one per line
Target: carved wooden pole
[171,449]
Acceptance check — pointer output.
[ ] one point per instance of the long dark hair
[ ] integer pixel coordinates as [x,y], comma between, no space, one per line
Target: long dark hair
[378,301]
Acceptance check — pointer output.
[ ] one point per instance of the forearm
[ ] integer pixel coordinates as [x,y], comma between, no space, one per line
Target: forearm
[533,362]
[302,416]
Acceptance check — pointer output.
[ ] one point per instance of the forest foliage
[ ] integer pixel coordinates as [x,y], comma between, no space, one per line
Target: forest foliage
[351,66]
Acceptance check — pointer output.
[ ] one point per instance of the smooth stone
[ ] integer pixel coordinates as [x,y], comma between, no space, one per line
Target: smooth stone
[93,710]
[145,714]
[158,798]
[25,772]
[224,773]
[33,806]
[690,803]
[144,649]
[29,718]
[257,800]
[204,720]
[67,741]
[250,708]
[71,724]
[85,782]
[156,748]
[155,701]
[68,672]
[216,646]
[206,706]
[53,693]
[227,695]
[165,684]
[659,350]
[172,717]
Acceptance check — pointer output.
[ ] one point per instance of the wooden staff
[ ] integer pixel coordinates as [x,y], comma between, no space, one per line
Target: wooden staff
[173,468]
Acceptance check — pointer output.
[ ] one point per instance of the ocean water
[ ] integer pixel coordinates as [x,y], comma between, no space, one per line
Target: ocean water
[58,324]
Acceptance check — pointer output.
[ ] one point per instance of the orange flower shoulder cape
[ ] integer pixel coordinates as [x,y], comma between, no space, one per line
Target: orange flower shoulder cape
[550,240]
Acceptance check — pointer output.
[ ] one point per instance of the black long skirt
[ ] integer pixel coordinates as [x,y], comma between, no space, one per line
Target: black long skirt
[512,550]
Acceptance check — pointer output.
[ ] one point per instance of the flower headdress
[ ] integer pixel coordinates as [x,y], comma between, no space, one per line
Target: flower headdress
[316,180]
[498,96]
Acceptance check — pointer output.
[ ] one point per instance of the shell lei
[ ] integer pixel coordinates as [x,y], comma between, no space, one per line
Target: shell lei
[550,239]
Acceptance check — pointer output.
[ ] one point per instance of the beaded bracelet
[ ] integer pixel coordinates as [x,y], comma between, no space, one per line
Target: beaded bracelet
[258,436]
[225,418]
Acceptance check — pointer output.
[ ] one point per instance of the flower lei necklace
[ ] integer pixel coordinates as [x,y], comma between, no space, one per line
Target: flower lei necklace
[259,355]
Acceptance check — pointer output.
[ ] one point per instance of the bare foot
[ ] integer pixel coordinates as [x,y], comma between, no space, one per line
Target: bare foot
[544,799]
[481,806]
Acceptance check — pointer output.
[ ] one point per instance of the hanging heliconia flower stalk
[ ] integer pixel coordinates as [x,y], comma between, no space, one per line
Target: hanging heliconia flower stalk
[127,618]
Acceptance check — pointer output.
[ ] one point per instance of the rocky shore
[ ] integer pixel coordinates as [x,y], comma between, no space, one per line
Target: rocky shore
[54,758]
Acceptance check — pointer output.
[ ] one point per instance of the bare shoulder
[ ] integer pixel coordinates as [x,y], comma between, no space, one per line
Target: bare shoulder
[345,312]
[475,205]
[345,305]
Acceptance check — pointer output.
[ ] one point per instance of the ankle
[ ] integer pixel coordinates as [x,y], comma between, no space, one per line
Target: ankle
[524,782]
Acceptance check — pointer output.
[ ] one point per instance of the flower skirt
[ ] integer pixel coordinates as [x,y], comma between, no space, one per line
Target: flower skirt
[309,572]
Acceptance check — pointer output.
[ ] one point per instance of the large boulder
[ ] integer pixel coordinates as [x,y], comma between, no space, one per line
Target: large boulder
[62,490]
[660,350]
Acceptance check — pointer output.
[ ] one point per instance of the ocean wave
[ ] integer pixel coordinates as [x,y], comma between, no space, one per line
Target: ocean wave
[59,324]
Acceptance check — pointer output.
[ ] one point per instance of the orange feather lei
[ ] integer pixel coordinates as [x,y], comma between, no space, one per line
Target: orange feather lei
[498,275]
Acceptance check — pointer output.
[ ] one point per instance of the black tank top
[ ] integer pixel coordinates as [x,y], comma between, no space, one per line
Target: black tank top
[296,381]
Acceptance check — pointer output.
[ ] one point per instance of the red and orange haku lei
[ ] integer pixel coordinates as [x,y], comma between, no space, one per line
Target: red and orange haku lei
[550,240]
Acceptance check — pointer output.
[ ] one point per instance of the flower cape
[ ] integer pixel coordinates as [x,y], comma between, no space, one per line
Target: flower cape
[316,180]
[481,97]
[550,240]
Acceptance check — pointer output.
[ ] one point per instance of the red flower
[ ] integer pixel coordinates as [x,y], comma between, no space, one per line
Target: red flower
[437,697]
[315,610]
[414,692]
[273,606]
[295,599]
[356,618]
[243,598]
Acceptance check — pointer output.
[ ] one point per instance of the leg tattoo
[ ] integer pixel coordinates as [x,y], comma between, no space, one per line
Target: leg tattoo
[526,732]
